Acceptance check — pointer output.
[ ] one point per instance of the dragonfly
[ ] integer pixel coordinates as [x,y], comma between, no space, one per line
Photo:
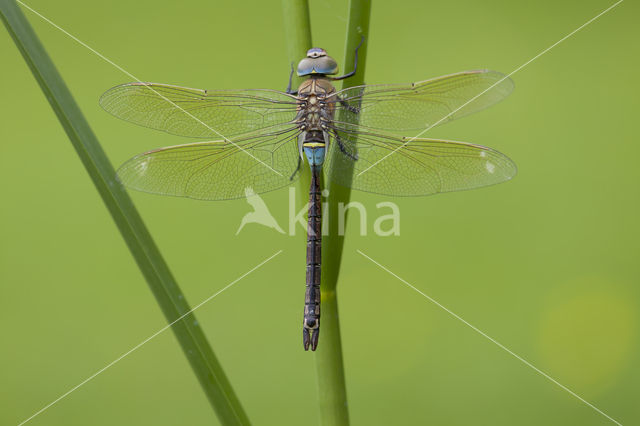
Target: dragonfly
[261,138]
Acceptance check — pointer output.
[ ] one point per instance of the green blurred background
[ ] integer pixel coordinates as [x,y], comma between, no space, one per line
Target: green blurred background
[546,264]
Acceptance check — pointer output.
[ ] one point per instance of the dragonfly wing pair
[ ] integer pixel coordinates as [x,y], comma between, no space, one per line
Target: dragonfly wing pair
[410,166]
[257,136]
[253,130]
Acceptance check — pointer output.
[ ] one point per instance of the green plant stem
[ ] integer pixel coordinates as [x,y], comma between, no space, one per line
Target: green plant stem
[328,356]
[165,289]
[297,29]
[329,362]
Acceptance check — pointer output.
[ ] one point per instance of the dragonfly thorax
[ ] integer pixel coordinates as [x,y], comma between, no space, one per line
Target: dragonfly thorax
[316,104]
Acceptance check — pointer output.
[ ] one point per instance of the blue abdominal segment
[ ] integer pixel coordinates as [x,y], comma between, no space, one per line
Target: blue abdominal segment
[315,154]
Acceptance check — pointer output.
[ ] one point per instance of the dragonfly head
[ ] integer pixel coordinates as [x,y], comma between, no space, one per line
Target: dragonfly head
[317,62]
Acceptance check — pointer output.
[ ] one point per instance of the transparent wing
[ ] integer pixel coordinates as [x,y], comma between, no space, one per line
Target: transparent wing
[216,170]
[399,166]
[417,106]
[199,113]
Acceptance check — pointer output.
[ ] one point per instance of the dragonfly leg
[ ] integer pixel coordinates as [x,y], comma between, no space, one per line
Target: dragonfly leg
[343,149]
[355,64]
[297,168]
[348,107]
[289,91]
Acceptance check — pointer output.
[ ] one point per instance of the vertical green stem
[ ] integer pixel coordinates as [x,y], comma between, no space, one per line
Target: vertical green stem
[297,26]
[329,362]
[155,270]
[297,29]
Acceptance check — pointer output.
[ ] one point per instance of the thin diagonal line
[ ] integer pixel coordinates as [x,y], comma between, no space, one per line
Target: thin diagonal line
[501,346]
[149,87]
[496,83]
[136,347]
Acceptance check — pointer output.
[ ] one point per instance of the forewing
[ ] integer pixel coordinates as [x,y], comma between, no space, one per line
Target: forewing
[419,106]
[403,167]
[215,170]
[199,113]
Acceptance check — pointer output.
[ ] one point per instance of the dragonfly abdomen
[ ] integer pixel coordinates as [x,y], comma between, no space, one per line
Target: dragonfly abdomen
[311,323]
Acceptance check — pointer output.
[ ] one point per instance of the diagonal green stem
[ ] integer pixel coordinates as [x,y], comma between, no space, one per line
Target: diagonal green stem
[165,289]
